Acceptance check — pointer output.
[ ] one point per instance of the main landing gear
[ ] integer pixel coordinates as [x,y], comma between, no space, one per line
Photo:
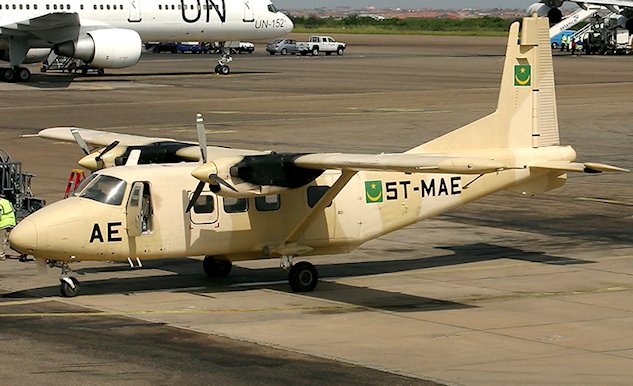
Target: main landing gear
[302,276]
[69,286]
[15,74]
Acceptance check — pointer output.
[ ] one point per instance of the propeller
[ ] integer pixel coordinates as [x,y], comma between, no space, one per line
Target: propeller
[80,141]
[202,141]
[111,146]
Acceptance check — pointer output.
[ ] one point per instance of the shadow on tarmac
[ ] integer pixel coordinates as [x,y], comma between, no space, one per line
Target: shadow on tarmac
[189,274]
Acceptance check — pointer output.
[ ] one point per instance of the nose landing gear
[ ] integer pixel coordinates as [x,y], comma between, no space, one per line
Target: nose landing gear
[222,68]
[69,285]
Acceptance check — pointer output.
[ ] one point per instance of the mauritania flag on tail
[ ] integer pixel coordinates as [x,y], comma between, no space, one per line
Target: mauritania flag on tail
[373,191]
[522,75]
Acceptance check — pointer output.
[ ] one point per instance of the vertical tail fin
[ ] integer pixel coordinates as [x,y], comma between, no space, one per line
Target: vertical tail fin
[526,114]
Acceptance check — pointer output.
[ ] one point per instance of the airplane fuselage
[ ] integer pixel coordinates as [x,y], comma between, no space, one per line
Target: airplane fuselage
[164,20]
[370,205]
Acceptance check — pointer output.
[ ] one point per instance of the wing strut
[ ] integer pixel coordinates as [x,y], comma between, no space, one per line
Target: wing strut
[307,220]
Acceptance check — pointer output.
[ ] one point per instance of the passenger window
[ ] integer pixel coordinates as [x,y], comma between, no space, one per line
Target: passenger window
[20,6]
[235,205]
[34,6]
[204,204]
[315,193]
[268,203]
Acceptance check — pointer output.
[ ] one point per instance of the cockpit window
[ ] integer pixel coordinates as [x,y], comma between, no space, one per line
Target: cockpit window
[272,8]
[106,189]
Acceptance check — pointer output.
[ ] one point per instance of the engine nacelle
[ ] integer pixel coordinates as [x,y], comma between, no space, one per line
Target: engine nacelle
[553,13]
[256,175]
[105,48]
[625,22]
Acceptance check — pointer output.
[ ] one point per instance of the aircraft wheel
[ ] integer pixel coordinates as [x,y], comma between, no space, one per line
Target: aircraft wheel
[67,290]
[9,75]
[303,277]
[224,70]
[214,267]
[23,74]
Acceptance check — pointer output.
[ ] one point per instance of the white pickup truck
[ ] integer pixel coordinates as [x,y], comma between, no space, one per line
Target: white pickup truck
[318,44]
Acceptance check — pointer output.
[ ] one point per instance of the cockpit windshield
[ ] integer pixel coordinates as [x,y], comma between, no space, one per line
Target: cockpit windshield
[105,189]
[272,8]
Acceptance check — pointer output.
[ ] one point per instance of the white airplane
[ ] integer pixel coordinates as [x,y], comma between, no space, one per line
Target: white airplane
[109,33]
[551,9]
[170,199]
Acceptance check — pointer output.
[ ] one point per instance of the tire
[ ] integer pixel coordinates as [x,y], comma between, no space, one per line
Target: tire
[284,51]
[8,75]
[217,69]
[315,51]
[215,268]
[224,70]
[23,74]
[67,291]
[304,53]
[272,53]
[101,71]
[339,51]
[554,45]
[303,277]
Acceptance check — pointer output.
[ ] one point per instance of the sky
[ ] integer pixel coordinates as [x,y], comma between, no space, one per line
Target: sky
[307,4]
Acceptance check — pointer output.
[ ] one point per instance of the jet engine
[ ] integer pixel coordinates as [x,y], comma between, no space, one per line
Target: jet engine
[104,48]
[553,13]
[255,175]
[625,22]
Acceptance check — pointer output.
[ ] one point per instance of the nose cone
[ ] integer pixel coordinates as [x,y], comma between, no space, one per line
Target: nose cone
[23,238]
[90,162]
[288,25]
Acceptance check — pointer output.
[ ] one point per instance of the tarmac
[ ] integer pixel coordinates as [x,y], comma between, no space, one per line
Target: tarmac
[507,290]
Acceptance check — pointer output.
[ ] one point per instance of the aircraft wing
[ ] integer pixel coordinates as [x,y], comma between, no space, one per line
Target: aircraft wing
[52,27]
[399,162]
[101,138]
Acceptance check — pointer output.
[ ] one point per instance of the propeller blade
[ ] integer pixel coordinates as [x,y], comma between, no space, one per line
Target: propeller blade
[107,149]
[195,196]
[202,137]
[80,141]
[220,181]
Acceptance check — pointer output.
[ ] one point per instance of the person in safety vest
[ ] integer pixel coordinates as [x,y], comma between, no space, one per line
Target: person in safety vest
[7,221]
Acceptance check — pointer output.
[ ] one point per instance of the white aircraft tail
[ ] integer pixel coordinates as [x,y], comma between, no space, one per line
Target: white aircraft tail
[526,114]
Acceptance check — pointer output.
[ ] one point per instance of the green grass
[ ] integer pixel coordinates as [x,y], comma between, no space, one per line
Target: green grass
[386,31]
[354,24]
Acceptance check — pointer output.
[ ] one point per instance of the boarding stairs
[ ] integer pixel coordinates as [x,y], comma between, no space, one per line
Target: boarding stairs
[56,62]
[580,15]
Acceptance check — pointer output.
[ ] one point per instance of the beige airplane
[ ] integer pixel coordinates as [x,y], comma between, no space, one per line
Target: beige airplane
[169,199]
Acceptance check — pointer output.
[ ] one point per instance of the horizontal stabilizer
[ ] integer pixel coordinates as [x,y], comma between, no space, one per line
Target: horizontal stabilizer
[408,163]
[587,167]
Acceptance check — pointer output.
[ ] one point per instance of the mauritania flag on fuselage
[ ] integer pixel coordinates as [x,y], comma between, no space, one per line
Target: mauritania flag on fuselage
[522,75]
[373,191]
